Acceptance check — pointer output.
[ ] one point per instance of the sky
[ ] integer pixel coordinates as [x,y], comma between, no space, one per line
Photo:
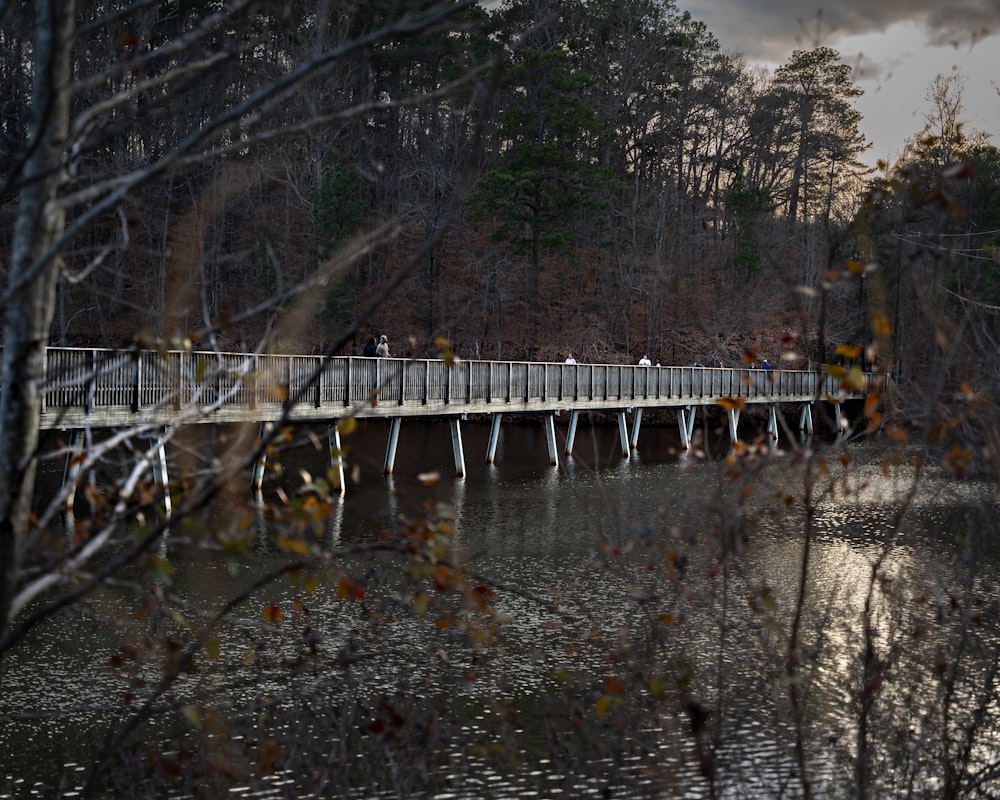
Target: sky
[896,48]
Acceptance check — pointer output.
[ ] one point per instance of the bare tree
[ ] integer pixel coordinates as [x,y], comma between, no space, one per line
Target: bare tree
[143,101]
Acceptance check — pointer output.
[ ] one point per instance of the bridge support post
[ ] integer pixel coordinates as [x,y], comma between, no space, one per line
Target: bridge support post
[491,448]
[257,476]
[806,419]
[838,416]
[160,475]
[772,422]
[550,438]
[636,424]
[623,434]
[390,450]
[74,460]
[574,417]
[336,460]
[685,421]
[734,421]
[456,445]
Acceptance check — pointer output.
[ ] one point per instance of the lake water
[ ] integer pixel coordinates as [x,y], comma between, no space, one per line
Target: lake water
[638,646]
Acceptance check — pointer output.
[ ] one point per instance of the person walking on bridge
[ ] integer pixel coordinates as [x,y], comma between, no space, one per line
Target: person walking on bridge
[382,351]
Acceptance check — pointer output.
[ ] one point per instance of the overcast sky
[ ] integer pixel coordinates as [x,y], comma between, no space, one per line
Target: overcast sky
[895,46]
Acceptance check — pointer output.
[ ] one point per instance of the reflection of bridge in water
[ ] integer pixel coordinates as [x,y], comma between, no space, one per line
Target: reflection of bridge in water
[88,388]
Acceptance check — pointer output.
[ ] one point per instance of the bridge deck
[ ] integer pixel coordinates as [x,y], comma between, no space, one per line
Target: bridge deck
[112,388]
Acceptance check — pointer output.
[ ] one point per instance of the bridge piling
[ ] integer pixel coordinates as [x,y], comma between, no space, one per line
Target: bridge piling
[257,476]
[456,444]
[390,450]
[160,475]
[623,434]
[571,432]
[806,419]
[336,460]
[636,424]
[491,448]
[550,439]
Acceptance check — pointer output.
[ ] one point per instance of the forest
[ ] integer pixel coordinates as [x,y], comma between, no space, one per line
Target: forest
[514,181]
[544,177]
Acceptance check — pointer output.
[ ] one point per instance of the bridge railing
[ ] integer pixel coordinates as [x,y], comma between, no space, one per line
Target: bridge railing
[94,382]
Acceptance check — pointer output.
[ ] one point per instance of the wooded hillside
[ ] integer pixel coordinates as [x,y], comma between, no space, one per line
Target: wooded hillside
[550,176]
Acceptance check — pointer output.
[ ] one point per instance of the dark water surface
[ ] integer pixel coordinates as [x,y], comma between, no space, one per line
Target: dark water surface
[574,544]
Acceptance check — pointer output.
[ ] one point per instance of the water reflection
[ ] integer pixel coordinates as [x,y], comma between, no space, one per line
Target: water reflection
[607,568]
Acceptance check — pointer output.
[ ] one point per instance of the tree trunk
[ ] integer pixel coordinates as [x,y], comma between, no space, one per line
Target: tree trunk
[30,298]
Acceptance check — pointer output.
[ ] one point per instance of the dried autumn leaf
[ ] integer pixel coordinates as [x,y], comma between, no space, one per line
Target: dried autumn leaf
[855,380]
[278,393]
[732,403]
[290,545]
[273,614]
[881,325]
[849,350]
[872,402]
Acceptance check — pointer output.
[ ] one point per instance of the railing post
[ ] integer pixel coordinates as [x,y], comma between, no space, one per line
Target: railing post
[321,362]
[136,381]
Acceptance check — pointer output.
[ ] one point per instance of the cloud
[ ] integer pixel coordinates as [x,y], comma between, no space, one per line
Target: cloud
[769,30]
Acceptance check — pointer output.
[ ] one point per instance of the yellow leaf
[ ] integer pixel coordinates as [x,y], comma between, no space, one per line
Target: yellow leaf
[192,715]
[855,267]
[835,371]
[855,380]
[278,392]
[732,403]
[849,350]
[347,425]
[296,546]
[273,614]
[881,326]
[212,648]
[602,706]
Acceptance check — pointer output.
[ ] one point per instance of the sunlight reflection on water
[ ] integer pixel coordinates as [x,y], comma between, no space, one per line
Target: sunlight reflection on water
[582,538]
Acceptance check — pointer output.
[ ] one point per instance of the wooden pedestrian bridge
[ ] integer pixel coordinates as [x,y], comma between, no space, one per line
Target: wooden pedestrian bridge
[91,388]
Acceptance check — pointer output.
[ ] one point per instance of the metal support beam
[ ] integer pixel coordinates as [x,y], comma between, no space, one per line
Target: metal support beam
[623,434]
[336,460]
[74,460]
[571,434]
[734,421]
[456,445]
[257,476]
[772,422]
[160,475]
[636,424]
[550,438]
[390,450]
[685,421]
[491,448]
[838,415]
[806,419]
